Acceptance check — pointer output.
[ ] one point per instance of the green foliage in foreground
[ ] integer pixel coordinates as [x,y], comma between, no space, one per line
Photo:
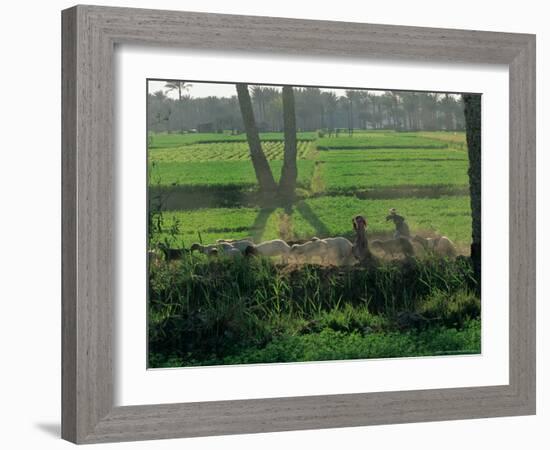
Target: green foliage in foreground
[336,345]
[227,312]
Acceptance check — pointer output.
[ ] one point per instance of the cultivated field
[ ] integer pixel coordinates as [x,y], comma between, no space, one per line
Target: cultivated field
[202,187]
[206,186]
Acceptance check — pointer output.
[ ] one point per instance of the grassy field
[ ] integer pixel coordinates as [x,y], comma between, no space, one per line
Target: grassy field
[206,188]
[323,217]
[379,140]
[164,140]
[427,182]
[224,151]
[219,173]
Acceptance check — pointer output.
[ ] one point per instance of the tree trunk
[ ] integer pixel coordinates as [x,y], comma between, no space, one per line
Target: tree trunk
[289,172]
[259,161]
[472,114]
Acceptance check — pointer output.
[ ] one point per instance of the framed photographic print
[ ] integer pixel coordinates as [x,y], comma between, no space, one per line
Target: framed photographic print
[265,230]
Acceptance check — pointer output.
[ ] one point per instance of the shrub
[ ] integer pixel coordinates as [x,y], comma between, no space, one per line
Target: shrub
[451,310]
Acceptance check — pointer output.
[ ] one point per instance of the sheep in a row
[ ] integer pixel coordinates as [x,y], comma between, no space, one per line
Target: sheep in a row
[332,250]
[240,244]
[221,248]
[339,251]
[273,248]
[309,252]
[336,251]
[244,247]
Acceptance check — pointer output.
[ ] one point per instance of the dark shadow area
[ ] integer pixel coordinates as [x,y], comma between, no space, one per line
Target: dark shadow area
[181,198]
[53,429]
[171,198]
[307,213]
[226,229]
[260,223]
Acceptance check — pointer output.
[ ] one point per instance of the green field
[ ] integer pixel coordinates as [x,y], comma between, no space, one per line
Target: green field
[165,140]
[427,182]
[321,216]
[380,140]
[219,173]
[224,151]
[202,187]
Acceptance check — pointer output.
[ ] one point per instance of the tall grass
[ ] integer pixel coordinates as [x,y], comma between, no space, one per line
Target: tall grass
[203,310]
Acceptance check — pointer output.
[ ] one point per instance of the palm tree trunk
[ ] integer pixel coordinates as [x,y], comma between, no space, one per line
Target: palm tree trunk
[289,172]
[259,161]
[472,114]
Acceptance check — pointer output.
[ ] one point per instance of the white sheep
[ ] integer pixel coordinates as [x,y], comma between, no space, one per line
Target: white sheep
[441,246]
[339,251]
[232,252]
[240,244]
[275,247]
[221,248]
[307,252]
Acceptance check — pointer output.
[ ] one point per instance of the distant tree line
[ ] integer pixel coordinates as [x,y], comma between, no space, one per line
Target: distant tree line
[315,110]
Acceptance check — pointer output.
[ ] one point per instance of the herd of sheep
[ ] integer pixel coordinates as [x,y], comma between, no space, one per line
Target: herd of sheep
[338,251]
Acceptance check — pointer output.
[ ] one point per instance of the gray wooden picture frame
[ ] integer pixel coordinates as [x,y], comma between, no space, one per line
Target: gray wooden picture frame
[90,34]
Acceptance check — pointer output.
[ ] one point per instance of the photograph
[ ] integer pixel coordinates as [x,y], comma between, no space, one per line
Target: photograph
[290,224]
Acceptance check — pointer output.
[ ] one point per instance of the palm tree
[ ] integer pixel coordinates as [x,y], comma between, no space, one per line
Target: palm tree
[259,161]
[159,95]
[289,171]
[387,101]
[363,108]
[159,120]
[448,103]
[180,86]
[410,105]
[472,115]
[375,115]
[330,105]
[259,98]
[396,110]
[353,97]
[428,103]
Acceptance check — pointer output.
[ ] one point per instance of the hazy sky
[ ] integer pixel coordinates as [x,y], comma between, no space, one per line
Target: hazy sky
[198,90]
[202,89]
